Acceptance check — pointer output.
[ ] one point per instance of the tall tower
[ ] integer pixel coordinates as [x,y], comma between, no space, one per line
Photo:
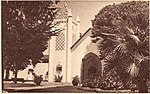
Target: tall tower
[68,45]
[59,46]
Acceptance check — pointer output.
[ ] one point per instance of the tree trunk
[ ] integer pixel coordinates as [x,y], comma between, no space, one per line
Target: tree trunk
[15,72]
[142,86]
[2,77]
[7,74]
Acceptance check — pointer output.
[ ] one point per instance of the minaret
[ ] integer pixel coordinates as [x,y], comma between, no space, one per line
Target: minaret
[78,27]
[68,45]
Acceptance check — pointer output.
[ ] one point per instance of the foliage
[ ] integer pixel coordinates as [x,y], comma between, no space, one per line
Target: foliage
[105,82]
[75,81]
[26,28]
[122,31]
[37,79]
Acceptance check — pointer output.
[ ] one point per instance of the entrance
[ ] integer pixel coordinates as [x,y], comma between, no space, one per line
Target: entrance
[91,70]
[90,65]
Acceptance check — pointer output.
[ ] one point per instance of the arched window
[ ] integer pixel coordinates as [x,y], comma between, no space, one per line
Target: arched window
[60,41]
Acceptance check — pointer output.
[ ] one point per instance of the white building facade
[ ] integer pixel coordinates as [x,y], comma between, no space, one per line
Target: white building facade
[68,50]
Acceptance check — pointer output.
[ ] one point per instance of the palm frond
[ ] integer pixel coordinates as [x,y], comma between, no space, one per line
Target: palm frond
[130,31]
[140,58]
[107,46]
[112,61]
[136,39]
[133,70]
[122,48]
[146,39]
[108,62]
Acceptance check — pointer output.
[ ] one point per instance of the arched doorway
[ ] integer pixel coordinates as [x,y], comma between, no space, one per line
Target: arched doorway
[90,65]
[91,70]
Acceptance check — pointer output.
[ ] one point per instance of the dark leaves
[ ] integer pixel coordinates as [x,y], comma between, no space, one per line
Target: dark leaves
[26,28]
[124,32]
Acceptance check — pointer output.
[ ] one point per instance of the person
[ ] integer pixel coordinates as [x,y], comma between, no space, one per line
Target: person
[46,76]
[30,71]
[30,75]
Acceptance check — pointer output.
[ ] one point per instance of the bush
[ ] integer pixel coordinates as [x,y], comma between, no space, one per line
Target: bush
[133,87]
[75,81]
[37,79]
[85,83]
[103,82]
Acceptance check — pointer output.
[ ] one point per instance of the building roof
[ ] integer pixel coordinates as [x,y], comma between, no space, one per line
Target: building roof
[82,38]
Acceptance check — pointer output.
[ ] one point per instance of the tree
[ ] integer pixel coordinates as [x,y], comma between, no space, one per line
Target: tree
[26,28]
[122,31]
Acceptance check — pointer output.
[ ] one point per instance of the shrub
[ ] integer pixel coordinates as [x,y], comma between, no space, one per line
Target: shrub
[37,79]
[85,83]
[75,81]
[103,82]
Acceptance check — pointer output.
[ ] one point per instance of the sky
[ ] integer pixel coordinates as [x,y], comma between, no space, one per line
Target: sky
[86,11]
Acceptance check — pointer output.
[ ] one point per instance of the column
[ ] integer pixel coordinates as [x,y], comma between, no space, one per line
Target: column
[68,45]
[51,65]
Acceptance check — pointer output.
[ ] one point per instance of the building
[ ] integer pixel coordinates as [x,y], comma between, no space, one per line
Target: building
[75,53]
[69,54]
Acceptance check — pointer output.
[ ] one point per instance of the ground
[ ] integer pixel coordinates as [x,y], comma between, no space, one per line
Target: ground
[54,87]
[44,87]
[59,89]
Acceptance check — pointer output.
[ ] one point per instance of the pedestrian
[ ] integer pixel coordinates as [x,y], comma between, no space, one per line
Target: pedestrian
[46,76]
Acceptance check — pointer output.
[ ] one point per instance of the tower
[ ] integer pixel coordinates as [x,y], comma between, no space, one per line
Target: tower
[59,46]
[68,45]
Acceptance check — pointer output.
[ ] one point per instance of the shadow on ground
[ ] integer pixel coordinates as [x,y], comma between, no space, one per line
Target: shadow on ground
[19,85]
[59,89]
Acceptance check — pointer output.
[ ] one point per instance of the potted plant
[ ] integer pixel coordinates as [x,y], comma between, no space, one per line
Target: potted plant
[58,78]
[37,79]
[75,81]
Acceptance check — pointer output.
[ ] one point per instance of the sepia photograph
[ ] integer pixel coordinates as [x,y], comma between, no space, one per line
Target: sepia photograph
[75,46]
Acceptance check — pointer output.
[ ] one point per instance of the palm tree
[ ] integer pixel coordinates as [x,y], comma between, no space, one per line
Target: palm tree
[126,52]
[122,32]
